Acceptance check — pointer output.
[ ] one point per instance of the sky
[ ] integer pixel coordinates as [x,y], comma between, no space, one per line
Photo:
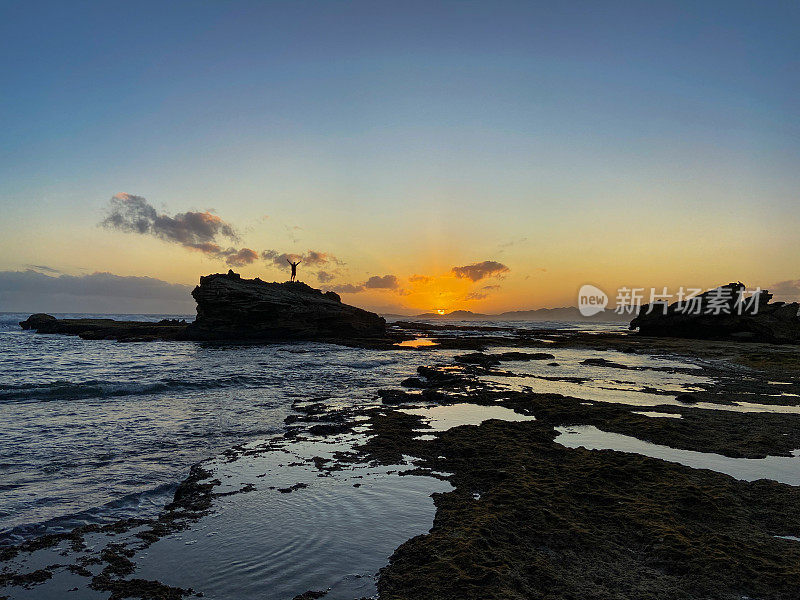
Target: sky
[416,156]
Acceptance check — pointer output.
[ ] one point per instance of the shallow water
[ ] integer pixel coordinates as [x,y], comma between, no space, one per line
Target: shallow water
[784,469]
[621,386]
[657,415]
[638,378]
[442,418]
[94,430]
[417,343]
[329,535]
[333,534]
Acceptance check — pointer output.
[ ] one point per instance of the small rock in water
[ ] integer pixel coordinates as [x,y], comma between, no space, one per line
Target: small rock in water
[477,358]
[526,356]
[292,488]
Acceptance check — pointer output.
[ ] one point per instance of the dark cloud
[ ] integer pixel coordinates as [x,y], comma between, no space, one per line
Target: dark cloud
[241,257]
[788,290]
[387,282]
[376,282]
[202,231]
[347,288]
[98,292]
[135,214]
[325,277]
[45,268]
[481,270]
[310,259]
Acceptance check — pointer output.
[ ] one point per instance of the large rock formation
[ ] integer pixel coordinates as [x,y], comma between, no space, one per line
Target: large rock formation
[232,308]
[722,314]
[229,307]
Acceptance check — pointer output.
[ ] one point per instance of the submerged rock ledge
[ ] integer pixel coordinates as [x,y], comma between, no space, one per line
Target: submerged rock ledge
[230,308]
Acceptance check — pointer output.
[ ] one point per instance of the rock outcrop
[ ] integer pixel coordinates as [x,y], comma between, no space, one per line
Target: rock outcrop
[722,314]
[229,307]
[107,329]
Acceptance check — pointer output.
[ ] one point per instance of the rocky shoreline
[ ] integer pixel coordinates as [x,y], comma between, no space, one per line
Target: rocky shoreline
[529,517]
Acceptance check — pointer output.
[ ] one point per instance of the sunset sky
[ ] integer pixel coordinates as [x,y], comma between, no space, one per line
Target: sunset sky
[419,155]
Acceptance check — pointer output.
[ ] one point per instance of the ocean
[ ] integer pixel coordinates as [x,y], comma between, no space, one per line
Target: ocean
[100,430]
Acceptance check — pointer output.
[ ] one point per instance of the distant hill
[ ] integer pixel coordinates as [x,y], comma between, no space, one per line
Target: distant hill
[567,313]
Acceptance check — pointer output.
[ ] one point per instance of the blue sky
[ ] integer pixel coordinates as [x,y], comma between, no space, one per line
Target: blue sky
[410,137]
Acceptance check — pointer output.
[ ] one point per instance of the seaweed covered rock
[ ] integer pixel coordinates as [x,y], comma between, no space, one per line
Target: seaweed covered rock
[722,313]
[229,307]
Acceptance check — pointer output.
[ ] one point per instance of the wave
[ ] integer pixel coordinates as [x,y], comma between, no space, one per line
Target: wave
[143,504]
[373,363]
[60,390]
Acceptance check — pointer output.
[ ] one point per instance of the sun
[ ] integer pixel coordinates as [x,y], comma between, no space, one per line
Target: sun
[441,311]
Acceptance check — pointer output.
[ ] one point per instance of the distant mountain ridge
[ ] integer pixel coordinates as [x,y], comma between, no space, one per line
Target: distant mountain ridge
[566,313]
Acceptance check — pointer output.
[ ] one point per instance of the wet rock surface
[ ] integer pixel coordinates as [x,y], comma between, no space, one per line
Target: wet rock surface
[530,519]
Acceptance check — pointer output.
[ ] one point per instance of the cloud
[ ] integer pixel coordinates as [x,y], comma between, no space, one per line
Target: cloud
[325,277]
[481,270]
[96,292]
[291,232]
[45,268]
[310,258]
[347,288]
[239,258]
[476,296]
[376,282]
[786,290]
[420,279]
[482,293]
[202,231]
[387,282]
[508,244]
[135,214]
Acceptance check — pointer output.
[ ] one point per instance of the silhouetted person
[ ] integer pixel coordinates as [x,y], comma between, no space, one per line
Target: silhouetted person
[294,268]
